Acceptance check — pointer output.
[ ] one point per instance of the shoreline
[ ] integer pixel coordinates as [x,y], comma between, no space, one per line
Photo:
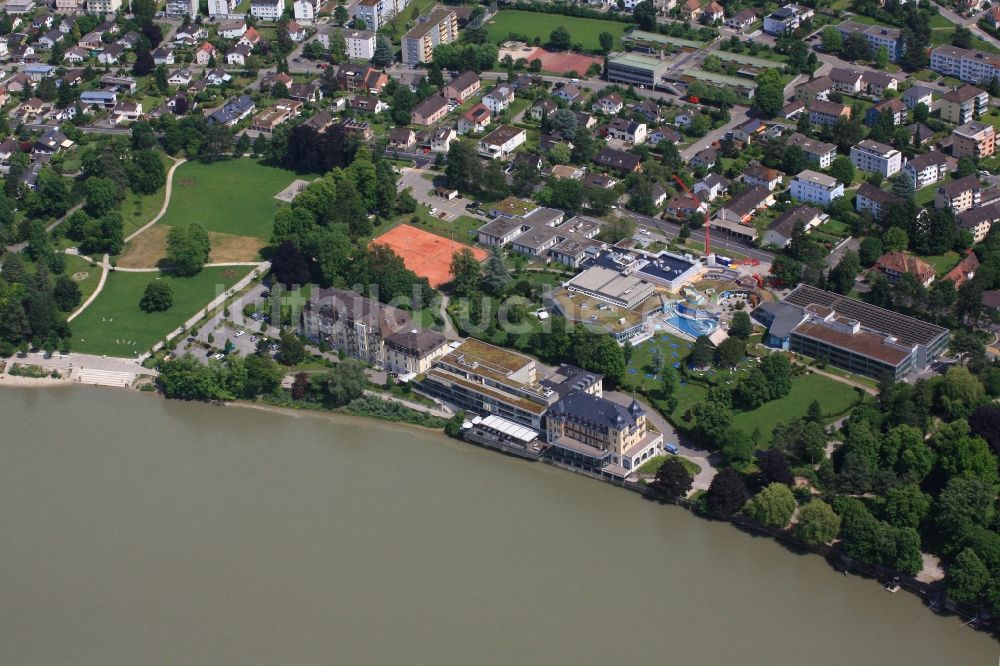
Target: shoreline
[873,572]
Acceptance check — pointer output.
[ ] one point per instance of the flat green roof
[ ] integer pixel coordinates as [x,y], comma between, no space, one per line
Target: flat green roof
[642,35]
[638,61]
[748,60]
[721,79]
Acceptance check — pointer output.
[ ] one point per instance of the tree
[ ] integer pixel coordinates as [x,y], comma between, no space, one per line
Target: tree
[737,447]
[672,479]
[966,576]
[959,392]
[645,15]
[870,250]
[831,40]
[146,174]
[773,506]
[726,494]
[774,467]
[464,169]
[144,63]
[702,352]
[963,504]
[741,326]
[607,41]
[563,122]
[902,186]
[340,15]
[291,349]
[560,39]
[188,247]
[962,37]
[584,146]
[985,422]
[66,293]
[465,272]
[881,57]
[906,506]
[895,240]
[384,51]
[730,352]
[157,297]
[842,169]
[496,277]
[817,523]
[770,94]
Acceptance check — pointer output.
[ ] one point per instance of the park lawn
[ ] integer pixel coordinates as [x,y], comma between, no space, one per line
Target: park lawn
[138,209]
[113,324]
[85,275]
[640,365]
[231,197]
[582,31]
[463,229]
[942,263]
[652,466]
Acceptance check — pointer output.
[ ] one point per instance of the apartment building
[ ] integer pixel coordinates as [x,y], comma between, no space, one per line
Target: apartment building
[959,195]
[438,27]
[965,64]
[358,44]
[973,139]
[979,221]
[816,188]
[926,169]
[786,19]
[818,152]
[222,7]
[874,201]
[877,36]
[376,13]
[876,157]
[182,8]
[501,142]
[103,6]
[963,104]
[827,113]
[306,10]
[267,10]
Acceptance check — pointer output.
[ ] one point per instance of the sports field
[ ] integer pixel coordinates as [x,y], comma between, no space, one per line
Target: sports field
[115,326]
[535,24]
[426,254]
[231,197]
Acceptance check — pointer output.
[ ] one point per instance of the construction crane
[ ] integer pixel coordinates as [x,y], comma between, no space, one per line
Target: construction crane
[708,238]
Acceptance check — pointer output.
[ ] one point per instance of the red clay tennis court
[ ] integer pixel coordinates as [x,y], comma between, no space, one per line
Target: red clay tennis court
[426,254]
[565,62]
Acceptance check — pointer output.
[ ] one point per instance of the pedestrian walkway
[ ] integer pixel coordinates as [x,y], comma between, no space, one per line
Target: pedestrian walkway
[95,377]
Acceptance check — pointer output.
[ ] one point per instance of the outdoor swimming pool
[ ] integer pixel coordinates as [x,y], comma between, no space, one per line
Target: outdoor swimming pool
[690,321]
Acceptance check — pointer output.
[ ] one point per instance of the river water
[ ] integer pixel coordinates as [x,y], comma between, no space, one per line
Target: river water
[134,530]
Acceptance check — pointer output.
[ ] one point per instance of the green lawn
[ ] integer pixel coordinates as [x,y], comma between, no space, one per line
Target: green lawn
[138,209]
[231,197]
[114,325]
[942,262]
[925,195]
[462,229]
[653,465]
[834,397]
[534,24]
[76,268]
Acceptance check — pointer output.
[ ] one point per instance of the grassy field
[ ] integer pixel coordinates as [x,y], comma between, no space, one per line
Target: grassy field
[942,263]
[232,197]
[533,24]
[461,230]
[85,275]
[114,325]
[138,209]
[653,465]
[834,397]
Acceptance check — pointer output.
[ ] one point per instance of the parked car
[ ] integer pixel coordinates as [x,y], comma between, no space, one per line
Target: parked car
[670,447]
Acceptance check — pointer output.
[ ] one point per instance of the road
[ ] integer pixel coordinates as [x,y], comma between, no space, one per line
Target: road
[737,116]
[969,22]
[719,243]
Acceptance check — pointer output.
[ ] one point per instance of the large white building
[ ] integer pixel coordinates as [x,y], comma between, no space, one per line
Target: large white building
[876,157]
[967,65]
[786,19]
[306,10]
[376,13]
[221,7]
[817,188]
[438,27]
[267,10]
[182,8]
[358,44]
[103,6]
[877,36]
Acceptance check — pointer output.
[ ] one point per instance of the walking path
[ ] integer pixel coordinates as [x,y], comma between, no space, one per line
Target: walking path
[105,267]
[119,269]
[166,201]
[449,329]
[845,380]
[416,406]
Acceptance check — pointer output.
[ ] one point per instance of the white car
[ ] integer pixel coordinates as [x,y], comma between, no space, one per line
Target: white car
[219,357]
[238,334]
[433,211]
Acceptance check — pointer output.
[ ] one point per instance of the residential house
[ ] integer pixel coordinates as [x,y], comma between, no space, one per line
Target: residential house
[964,271]
[91,41]
[233,111]
[848,81]
[600,181]
[440,138]
[475,120]
[742,207]
[361,77]
[626,130]
[793,110]
[926,169]
[180,77]
[786,19]
[127,112]
[959,195]
[711,187]
[429,111]
[648,109]
[238,56]
[894,107]
[76,55]
[713,12]
[818,88]
[251,38]
[973,139]
[103,7]
[296,32]
[827,113]
[691,10]
[283,110]
[979,221]
[217,77]
[609,105]
[963,104]
[358,44]
[309,91]
[876,157]
[877,83]
[750,131]
[541,109]
[50,39]
[585,120]
[918,94]
[51,142]
[757,175]
[705,158]
[682,207]
[498,99]
[124,84]
[568,93]
[818,152]
[163,56]
[462,87]
[111,54]
[920,132]
[664,134]
[98,99]
[232,29]
[895,264]
[402,138]
[618,160]
[874,200]
[205,53]
[779,232]
[817,188]
[741,20]
[367,104]
[501,142]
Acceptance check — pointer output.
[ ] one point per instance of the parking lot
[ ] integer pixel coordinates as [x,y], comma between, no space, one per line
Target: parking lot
[422,190]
